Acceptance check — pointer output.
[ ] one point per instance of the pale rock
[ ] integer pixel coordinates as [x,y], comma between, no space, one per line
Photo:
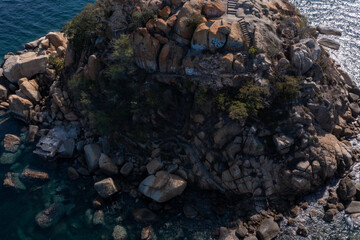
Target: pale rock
[235,40]
[330,43]
[268,229]
[30,91]
[153,166]
[11,143]
[213,9]
[283,143]
[50,216]
[190,11]
[162,186]
[106,187]
[200,39]
[57,39]
[328,30]
[127,168]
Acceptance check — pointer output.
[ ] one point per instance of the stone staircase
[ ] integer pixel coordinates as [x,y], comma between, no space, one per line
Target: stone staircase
[231,4]
[244,32]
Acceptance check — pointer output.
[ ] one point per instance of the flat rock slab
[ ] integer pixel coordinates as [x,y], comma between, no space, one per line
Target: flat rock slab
[328,30]
[50,216]
[354,207]
[326,42]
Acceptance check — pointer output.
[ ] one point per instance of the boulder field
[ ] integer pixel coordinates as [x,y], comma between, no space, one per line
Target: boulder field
[195,55]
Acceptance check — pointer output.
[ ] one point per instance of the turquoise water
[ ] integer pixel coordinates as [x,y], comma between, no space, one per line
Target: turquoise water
[23,21]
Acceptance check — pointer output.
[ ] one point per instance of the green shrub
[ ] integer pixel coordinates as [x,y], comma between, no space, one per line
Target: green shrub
[237,110]
[287,88]
[56,62]
[89,22]
[140,18]
[252,51]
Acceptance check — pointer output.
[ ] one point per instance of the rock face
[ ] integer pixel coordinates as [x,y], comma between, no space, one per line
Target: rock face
[30,91]
[304,54]
[162,186]
[329,43]
[50,216]
[346,189]
[268,229]
[20,107]
[92,155]
[3,92]
[11,143]
[57,39]
[170,58]
[107,165]
[190,11]
[235,40]
[200,39]
[25,65]
[328,30]
[105,188]
[146,49]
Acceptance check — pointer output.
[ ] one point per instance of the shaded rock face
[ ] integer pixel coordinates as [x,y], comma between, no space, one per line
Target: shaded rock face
[354,207]
[190,11]
[329,43]
[50,216]
[162,186]
[25,65]
[146,49]
[170,58]
[304,54]
[328,30]
[57,39]
[106,188]
[144,215]
[11,143]
[92,156]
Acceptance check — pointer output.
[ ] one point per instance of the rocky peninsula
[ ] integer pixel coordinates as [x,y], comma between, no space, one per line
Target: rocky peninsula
[163,97]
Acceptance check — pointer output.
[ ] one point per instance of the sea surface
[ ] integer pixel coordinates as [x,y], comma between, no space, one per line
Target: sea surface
[22,21]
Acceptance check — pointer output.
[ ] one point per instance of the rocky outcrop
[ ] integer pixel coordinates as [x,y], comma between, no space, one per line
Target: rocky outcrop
[304,54]
[213,9]
[330,43]
[21,107]
[3,92]
[328,30]
[162,186]
[30,89]
[170,58]
[25,65]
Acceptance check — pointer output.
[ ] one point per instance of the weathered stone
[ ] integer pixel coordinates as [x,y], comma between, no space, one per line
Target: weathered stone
[283,143]
[213,9]
[30,174]
[354,207]
[57,39]
[162,186]
[216,38]
[330,43]
[127,168]
[224,134]
[253,146]
[106,187]
[146,49]
[235,40]
[25,65]
[107,166]
[328,30]
[268,229]
[346,189]
[227,234]
[158,25]
[170,58]
[191,11]
[20,107]
[153,166]
[33,129]
[92,155]
[11,143]
[50,216]
[200,39]
[30,91]
[304,54]
[144,215]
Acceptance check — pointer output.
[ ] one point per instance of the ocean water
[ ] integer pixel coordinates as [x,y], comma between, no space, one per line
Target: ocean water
[344,15]
[23,21]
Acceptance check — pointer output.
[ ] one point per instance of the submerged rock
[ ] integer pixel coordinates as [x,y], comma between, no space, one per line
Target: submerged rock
[144,215]
[30,174]
[119,233]
[50,216]
[11,143]
[162,186]
[12,180]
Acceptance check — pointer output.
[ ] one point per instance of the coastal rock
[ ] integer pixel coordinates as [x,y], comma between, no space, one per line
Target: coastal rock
[50,216]
[92,156]
[107,165]
[106,187]
[34,175]
[11,143]
[20,107]
[66,149]
[146,49]
[98,218]
[346,189]
[326,42]
[119,233]
[30,91]
[57,39]
[33,129]
[162,186]
[217,39]
[12,181]
[25,65]
[190,11]
[268,229]
[354,207]
[283,143]
[328,30]
[3,92]
[235,40]
[213,9]
[304,54]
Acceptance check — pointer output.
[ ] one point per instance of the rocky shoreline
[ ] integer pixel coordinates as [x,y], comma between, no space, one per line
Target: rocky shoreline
[270,160]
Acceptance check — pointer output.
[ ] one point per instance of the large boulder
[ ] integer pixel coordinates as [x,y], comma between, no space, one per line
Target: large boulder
[354,207]
[50,216]
[217,39]
[106,187]
[25,65]
[330,43]
[146,49]
[235,40]
[200,39]
[92,156]
[20,107]
[30,91]
[328,30]
[3,92]
[346,189]
[227,234]
[189,14]
[213,9]
[162,186]
[268,229]
[283,143]
[107,165]
[304,54]
[170,58]
[119,233]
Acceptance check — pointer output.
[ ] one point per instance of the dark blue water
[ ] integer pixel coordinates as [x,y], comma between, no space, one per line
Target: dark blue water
[23,21]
